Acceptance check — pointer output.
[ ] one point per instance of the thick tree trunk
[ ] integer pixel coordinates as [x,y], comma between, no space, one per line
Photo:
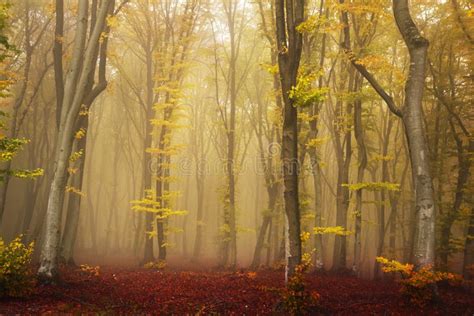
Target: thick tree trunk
[288,15]
[424,252]
[81,67]
[412,117]
[74,204]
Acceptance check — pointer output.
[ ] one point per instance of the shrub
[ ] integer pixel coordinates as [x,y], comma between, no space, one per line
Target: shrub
[418,285]
[91,271]
[155,265]
[16,278]
[295,298]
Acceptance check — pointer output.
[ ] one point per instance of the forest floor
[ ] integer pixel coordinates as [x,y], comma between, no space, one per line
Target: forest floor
[144,291]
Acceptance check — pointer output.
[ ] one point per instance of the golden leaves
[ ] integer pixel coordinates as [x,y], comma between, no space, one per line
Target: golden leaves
[74,190]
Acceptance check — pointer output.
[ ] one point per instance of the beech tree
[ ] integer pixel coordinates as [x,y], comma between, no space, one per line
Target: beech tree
[412,116]
[75,85]
[288,15]
[338,118]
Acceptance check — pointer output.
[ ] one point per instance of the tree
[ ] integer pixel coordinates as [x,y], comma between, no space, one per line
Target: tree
[34,30]
[412,117]
[75,85]
[288,15]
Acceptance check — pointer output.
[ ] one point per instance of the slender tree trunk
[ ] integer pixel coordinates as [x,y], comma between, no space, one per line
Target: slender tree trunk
[199,214]
[381,208]
[262,232]
[362,160]
[58,59]
[344,155]
[464,167]
[13,128]
[230,247]
[468,263]
[148,163]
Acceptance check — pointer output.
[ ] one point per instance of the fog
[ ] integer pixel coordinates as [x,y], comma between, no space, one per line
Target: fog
[192,89]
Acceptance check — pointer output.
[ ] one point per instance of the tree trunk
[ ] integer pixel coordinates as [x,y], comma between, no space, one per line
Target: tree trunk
[464,166]
[148,163]
[468,264]
[344,155]
[267,220]
[424,252]
[288,15]
[362,160]
[381,208]
[73,98]
[199,214]
[74,203]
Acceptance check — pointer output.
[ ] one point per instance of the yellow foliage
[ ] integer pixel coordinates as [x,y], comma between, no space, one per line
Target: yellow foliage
[394,266]
[76,155]
[80,133]
[315,142]
[102,37]
[417,285]
[296,299]
[15,276]
[155,265]
[152,234]
[373,186]
[74,190]
[336,230]
[90,270]
[84,111]
[112,21]
[304,236]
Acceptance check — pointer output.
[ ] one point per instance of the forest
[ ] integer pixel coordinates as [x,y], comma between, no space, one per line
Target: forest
[237,157]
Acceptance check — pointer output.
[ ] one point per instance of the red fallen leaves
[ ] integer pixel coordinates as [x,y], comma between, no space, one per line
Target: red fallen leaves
[179,292]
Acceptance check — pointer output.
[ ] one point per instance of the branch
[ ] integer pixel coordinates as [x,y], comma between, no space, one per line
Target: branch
[119,8]
[346,46]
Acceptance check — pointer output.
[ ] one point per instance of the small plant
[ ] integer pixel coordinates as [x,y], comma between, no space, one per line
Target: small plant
[296,299]
[90,270]
[16,279]
[155,265]
[418,285]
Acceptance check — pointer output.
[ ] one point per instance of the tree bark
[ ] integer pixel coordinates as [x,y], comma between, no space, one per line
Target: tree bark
[81,66]
[362,160]
[412,118]
[74,205]
[468,263]
[288,15]
[424,252]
